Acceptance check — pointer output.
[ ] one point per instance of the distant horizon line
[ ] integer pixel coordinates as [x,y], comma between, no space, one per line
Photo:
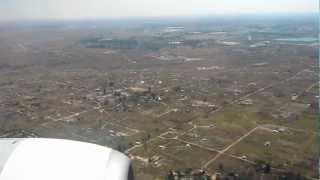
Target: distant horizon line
[172,17]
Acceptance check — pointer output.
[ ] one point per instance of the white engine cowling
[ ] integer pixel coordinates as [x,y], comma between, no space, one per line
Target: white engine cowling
[56,159]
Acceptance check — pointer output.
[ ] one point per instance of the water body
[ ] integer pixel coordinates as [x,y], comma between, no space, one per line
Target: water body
[302,39]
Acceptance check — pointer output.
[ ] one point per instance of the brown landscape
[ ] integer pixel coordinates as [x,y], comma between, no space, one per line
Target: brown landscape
[175,95]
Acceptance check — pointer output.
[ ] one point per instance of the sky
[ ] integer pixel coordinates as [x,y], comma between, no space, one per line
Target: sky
[97,9]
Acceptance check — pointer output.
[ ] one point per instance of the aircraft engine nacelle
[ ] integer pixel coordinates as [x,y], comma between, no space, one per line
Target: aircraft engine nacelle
[56,159]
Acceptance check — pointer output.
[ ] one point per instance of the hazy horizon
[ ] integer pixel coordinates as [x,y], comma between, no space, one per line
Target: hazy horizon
[16,10]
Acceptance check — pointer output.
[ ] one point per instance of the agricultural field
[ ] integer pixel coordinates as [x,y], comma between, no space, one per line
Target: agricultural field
[224,98]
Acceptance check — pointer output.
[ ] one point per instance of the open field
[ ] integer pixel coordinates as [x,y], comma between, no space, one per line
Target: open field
[202,96]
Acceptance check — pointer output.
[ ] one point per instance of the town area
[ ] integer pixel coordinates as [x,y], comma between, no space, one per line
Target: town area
[210,97]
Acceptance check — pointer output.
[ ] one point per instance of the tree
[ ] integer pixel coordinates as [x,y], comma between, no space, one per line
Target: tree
[170,175]
[148,136]
[104,91]
[111,84]
[267,168]
[117,93]
[153,96]
[120,148]
[145,145]
[298,176]
[220,167]
[177,89]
